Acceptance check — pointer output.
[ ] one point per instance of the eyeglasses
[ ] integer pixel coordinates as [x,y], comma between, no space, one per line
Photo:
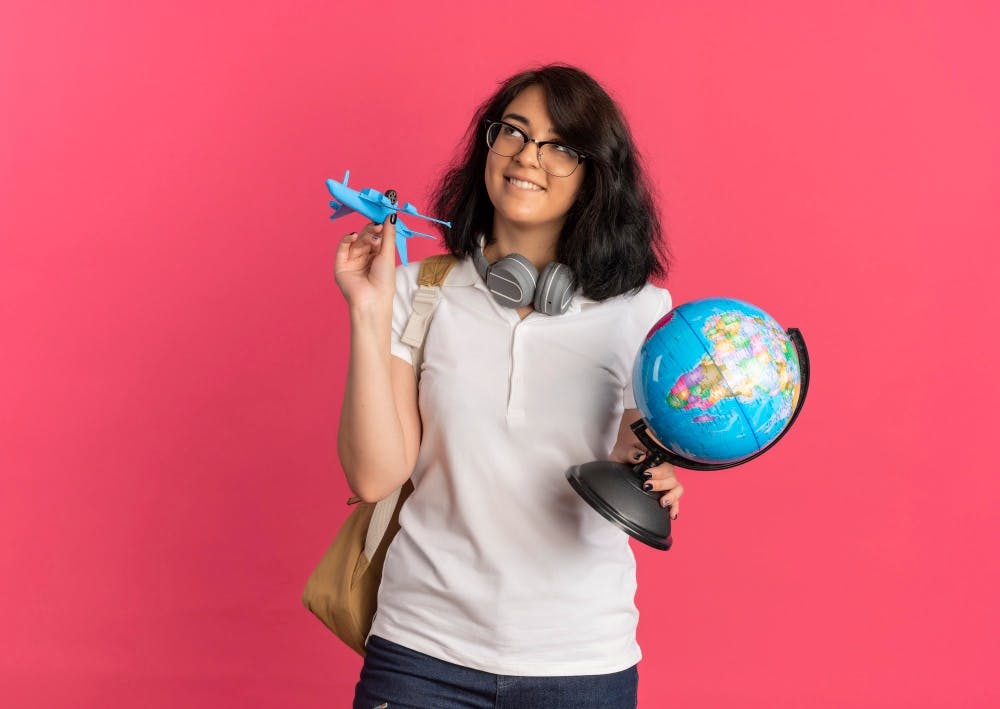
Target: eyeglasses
[556,159]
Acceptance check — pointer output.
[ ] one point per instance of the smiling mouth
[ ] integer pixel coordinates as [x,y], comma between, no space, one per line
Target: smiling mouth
[524,184]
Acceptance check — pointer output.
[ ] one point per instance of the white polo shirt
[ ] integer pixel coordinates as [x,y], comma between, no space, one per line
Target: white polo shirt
[500,565]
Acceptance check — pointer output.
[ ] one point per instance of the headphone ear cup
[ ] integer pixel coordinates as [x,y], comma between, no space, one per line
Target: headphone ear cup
[555,289]
[512,281]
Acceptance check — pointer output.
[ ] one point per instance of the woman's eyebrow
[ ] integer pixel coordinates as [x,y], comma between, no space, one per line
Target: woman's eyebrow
[525,121]
[517,117]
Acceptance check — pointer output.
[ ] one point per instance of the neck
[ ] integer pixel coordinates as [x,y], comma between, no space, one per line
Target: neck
[536,243]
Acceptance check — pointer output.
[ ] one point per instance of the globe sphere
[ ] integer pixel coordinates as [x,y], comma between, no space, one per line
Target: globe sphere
[717,380]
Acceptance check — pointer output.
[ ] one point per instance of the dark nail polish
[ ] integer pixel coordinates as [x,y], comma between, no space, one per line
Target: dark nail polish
[647,475]
[647,486]
[674,517]
[392,218]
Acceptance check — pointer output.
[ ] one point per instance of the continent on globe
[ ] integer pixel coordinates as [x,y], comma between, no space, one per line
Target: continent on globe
[750,356]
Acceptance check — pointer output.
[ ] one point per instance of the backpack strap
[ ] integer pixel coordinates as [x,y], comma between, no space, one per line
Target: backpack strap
[433,271]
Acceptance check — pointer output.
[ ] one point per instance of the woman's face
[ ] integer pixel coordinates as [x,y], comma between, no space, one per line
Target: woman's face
[522,193]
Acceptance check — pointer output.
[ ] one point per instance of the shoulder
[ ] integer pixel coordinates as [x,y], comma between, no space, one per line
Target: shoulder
[650,293]
[406,275]
[646,306]
[440,269]
[650,299]
[633,313]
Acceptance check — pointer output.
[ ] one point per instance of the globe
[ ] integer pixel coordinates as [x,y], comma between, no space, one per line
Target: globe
[717,380]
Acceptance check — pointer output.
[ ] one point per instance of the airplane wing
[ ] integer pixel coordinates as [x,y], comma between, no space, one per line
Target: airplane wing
[403,233]
[401,248]
[410,209]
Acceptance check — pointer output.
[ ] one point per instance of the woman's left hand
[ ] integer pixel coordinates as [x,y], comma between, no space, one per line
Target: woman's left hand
[660,478]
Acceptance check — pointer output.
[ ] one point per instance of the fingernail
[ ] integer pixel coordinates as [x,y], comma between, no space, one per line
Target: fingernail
[392,218]
[674,517]
[647,486]
[647,475]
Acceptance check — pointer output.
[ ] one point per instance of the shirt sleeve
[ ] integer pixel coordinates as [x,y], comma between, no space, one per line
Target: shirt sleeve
[651,315]
[402,307]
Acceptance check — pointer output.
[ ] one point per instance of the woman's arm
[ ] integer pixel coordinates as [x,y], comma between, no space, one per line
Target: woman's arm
[379,433]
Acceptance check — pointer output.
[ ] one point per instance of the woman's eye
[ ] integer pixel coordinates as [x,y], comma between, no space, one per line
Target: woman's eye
[512,132]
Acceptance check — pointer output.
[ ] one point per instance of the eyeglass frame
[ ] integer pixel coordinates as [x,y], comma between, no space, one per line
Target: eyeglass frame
[489,123]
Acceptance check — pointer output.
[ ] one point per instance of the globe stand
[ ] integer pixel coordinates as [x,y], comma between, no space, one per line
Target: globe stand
[615,489]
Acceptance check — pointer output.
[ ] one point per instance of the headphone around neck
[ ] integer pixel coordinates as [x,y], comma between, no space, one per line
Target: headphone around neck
[514,282]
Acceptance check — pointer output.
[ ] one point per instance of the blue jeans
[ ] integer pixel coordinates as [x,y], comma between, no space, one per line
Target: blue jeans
[396,677]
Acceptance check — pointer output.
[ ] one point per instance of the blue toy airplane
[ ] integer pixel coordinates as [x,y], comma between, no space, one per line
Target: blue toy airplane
[376,206]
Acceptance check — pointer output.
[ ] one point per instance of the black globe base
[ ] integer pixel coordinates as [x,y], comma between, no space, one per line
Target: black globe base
[615,491]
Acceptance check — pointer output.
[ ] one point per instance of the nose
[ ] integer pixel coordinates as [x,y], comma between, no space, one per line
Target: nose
[529,153]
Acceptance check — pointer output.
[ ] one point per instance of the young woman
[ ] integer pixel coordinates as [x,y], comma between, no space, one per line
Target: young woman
[503,587]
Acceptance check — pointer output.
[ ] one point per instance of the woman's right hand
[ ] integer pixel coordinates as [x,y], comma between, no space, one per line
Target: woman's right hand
[365,267]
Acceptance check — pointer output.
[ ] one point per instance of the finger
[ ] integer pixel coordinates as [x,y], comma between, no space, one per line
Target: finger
[627,453]
[346,241]
[364,247]
[371,233]
[344,247]
[673,505]
[661,479]
[663,471]
[654,484]
[672,500]
[387,253]
[373,242]
[361,247]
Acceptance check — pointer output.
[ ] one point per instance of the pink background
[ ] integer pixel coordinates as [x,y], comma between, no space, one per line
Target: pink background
[173,344]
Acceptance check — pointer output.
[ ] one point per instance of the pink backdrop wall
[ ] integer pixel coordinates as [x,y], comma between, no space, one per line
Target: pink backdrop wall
[173,344]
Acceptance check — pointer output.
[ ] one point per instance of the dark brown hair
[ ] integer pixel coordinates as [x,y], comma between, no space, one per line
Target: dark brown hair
[612,238]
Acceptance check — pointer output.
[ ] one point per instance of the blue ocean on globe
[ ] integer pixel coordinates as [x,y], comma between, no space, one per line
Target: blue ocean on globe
[716,380]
